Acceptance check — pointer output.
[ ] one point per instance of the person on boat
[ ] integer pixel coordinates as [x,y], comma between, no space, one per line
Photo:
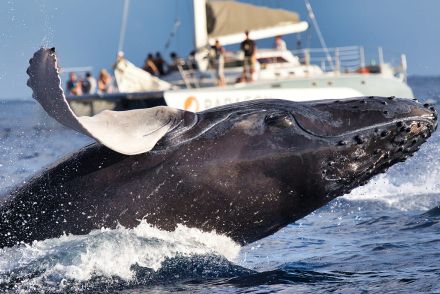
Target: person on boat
[249,49]
[150,66]
[160,63]
[279,44]
[119,57]
[219,55]
[175,61]
[105,82]
[191,61]
[73,85]
[88,84]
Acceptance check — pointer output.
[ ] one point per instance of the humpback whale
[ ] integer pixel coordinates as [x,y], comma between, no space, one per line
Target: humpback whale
[244,170]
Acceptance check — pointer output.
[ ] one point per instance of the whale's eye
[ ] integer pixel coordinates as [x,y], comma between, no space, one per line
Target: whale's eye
[279,119]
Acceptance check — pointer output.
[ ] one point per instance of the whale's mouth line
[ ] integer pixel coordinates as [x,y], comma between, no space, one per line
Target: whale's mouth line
[428,120]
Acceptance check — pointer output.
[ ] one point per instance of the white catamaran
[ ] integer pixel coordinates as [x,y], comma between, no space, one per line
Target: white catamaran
[303,74]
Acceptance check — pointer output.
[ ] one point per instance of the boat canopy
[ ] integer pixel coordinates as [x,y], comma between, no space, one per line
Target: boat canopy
[227,21]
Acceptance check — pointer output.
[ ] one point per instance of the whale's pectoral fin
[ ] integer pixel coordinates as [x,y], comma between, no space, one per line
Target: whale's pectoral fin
[127,132]
[131,132]
[46,86]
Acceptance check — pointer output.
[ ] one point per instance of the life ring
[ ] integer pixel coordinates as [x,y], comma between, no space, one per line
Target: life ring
[192,104]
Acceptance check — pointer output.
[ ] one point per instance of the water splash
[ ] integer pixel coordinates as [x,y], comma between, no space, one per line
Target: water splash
[413,185]
[106,254]
[47,17]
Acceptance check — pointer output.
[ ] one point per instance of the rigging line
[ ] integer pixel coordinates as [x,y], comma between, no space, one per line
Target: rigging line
[123,25]
[318,31]
[173,33]
[177,20]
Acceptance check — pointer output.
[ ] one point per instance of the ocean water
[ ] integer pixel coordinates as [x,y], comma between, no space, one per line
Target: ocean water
[382,238]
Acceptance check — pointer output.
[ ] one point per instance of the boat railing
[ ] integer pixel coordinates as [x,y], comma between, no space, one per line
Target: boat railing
[349,58]
[346,59]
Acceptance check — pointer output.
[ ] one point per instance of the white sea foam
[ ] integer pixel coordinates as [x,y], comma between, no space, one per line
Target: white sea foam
[413,185]
[405,196]
[110,253]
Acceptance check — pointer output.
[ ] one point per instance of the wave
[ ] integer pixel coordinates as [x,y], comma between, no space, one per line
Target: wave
[412,185]
[405,196]
[121,256]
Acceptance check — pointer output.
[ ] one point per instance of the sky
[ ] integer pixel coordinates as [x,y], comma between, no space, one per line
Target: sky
[86,32]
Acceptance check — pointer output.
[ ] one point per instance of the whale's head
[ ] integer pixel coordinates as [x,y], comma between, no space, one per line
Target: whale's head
[313,152]
[356,139]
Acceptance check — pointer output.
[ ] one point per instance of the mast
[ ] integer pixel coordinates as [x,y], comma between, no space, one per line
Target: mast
[123,25]
[318,31]
[200,34]
[200,26]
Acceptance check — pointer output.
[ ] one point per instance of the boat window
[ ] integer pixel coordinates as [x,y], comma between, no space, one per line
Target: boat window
[233,63]
[268,60]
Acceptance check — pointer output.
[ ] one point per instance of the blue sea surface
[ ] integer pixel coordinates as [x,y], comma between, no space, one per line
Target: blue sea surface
[382,238]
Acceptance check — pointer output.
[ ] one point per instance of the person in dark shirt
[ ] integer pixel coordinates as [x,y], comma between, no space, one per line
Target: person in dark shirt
[249,49]
[160,64]
[88,84]
[175,61]
[150,66]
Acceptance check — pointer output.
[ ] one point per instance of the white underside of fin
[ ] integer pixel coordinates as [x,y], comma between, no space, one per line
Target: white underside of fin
[127,132]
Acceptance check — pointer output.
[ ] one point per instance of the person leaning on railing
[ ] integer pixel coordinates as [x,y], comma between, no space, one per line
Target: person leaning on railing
[105,82]
[73,85]
[150,66]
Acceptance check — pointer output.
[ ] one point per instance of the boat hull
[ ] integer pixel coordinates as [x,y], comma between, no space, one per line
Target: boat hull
[302,89]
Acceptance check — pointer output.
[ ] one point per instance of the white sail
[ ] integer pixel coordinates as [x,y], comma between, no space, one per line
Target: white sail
[131,79]
[227,21]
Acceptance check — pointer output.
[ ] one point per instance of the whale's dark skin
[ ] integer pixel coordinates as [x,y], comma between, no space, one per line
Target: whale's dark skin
[245,170]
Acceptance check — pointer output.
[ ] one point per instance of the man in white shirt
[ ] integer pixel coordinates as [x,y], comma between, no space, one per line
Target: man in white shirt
[279,44]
